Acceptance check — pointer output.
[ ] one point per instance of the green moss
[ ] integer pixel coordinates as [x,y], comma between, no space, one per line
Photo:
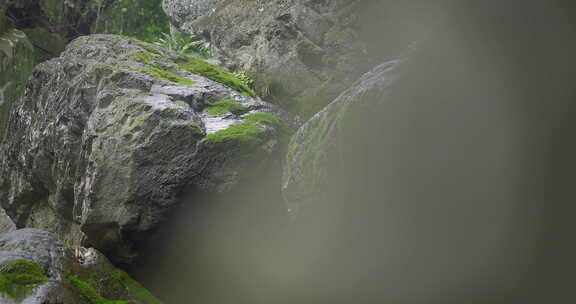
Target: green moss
[144,57]
[5,284]
[150,47]
[182,103]
[167,76]
[195,128]
[89,293]
[18,278]
[248,133]
[203,68]
[156,70]
[136,290]
[17,60]
[226,105]
[110,67]
[323,135]
[264,118]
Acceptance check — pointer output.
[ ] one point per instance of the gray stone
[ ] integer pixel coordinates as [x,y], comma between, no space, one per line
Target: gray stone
[314,149]
[103,142]
[303,53]
[59,263]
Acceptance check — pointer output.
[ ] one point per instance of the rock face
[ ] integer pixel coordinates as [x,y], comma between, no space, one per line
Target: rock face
[36,269]
[303,52]
[16,62]
[32,32]
[184,13]
[108,135]
[6,224]
[316,146]
[35,31]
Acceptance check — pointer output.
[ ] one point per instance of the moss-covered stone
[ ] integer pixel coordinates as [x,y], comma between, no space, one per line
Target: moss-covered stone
[155,70]
[106,282]
[212,72]
[46,45]
[18,278]
[129,127]
[226,105]
[17,59]
[248,133]
[88,293]
[182,103]
[137,291]
[145,57]
[195,128]
[166,76]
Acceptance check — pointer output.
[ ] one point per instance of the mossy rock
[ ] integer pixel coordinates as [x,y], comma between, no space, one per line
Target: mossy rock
[142,122]
[316,147]
[212,72]
[19,277]
[225,106]
[17,60]
[46,44]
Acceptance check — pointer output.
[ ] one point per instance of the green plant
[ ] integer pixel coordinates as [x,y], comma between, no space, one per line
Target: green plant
[210,71]
[89,293]
[226,105]
[183,44]
[250,133]
[155,70]
[18,278]
[136,290]
[242,76]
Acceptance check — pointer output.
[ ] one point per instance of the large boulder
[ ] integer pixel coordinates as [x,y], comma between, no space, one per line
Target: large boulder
[6,223]
[32,32]
[36,269]
[109,135]
[17,59]
[315,149]
[302,53]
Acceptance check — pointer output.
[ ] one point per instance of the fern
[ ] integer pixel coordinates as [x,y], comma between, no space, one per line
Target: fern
[242,76]
[189,45]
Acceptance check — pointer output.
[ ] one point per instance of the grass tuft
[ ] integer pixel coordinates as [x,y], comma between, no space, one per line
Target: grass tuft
[249,133]
[89,293]
[18,278]
[226,105]
[212,72]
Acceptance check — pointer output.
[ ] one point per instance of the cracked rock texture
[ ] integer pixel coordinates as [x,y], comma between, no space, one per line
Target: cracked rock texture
[110,134]
[315,150]
[302,52]
[48,269]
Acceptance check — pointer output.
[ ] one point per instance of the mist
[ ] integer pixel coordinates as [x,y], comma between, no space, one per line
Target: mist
[456,188]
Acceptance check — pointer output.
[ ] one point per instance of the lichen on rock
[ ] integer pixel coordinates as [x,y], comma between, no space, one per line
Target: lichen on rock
[99,149]
[35,268]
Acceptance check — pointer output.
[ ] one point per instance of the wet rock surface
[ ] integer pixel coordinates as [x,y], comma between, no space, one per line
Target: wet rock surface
[35,268]
[315,148]
[108,135]
[303,52]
